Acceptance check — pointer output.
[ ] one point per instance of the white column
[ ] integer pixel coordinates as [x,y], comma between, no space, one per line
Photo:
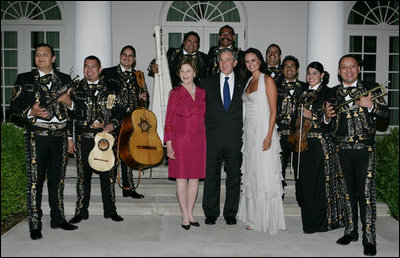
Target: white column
[92,33]
[325,36]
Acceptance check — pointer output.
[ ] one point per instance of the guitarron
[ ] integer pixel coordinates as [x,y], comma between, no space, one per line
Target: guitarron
[139,144]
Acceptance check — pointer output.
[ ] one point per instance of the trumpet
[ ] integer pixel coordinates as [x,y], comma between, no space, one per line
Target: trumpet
[376,92]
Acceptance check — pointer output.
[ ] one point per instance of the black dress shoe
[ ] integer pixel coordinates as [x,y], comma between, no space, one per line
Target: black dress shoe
[76,219]
[187,227]
[210,220]
[346,239]
[36,234]
[230,220]
[370,249]
[194,224]
[65,226]
[132,193]
[114,217]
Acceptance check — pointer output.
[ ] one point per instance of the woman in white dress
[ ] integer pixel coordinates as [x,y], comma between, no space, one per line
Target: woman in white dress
[260,206]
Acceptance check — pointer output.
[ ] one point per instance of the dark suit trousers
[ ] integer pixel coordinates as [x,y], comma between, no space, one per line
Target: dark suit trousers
[45,155]
[83,187]
[212,182]
[358,167]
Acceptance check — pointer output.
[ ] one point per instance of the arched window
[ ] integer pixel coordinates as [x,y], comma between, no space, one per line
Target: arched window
[203,17]
[24,24]
[373,36]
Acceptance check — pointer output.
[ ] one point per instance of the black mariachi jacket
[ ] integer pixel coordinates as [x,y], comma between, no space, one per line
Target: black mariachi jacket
[175,55]
[28,90]
[213,65]
[128,88]
[90,104]
[287,103]
[355,128]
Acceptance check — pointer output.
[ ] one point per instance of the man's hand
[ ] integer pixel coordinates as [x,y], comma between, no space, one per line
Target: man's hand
[329,112]
[71,146]
[109,128]
[38,111]
[365,101]
[66,99]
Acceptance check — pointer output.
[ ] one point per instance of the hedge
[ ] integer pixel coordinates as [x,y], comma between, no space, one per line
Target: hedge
[13,172]
[387,171]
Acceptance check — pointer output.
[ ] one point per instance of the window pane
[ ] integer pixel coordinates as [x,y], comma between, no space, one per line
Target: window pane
[8,94]
[394,80]
[369,63]
[11,58]
[394,45]
[57,62]
[53,38]
[355,43]
[36,38]
[394,63]
[10,76]
[213,39]
[370,44]
[10,39]
[394,117]
[394,99]
[33,58]
[369,77]
[174,40]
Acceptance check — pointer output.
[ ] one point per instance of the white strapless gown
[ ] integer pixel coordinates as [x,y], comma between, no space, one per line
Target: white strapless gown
[260,205]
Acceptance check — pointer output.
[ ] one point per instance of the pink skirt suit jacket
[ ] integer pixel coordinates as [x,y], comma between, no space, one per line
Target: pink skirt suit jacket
[184,126]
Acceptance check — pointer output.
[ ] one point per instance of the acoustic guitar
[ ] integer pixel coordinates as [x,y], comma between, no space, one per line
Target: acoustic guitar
[101,157]
[139,144]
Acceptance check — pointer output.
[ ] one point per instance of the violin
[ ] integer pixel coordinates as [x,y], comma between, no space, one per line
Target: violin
[298,138]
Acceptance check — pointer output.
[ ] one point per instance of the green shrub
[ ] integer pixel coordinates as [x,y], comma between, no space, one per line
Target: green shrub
[13,172]
[387,171]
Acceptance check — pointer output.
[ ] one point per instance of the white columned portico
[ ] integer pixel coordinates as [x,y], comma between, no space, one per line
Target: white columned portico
[92,33]
[325,36]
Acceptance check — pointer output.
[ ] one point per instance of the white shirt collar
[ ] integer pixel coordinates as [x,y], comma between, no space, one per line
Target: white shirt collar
[124,70]
[95,82]
[354,84]
[186,53]
[43,74]
[314,87]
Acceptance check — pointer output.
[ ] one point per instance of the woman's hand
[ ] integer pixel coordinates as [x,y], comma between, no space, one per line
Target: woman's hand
[170,150]
[266,144]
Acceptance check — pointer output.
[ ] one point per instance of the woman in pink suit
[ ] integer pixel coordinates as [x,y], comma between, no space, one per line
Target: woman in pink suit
[185,139]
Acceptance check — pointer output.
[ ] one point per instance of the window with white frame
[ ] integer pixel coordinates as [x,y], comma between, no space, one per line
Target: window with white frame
[24,24]
[373,36]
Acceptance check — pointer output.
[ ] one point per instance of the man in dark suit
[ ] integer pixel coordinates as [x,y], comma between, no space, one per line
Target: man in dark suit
[224,121]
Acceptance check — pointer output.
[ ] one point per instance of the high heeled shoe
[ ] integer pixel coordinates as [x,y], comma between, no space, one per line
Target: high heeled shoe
[187,227]
[194,223]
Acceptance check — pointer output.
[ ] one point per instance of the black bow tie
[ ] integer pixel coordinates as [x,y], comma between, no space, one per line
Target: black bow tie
[95,86]
[274,70]
[45,79]
[290,85]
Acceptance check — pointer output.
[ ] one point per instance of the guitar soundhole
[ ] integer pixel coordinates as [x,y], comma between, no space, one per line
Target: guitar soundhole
[103,145]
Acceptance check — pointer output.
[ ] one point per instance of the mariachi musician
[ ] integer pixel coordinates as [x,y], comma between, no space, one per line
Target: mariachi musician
[92,115]
[133,93]
[353,129]
[45,137]
[321,188]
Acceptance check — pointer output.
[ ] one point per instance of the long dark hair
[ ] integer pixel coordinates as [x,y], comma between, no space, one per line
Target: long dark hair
[320,68]
[246,73]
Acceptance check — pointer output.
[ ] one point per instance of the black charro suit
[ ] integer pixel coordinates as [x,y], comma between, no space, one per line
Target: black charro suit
[224,142]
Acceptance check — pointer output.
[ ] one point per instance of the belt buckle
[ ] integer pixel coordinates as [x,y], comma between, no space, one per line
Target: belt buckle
[52,126]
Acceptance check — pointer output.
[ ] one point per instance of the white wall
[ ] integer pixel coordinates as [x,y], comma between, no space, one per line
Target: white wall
[280,22]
